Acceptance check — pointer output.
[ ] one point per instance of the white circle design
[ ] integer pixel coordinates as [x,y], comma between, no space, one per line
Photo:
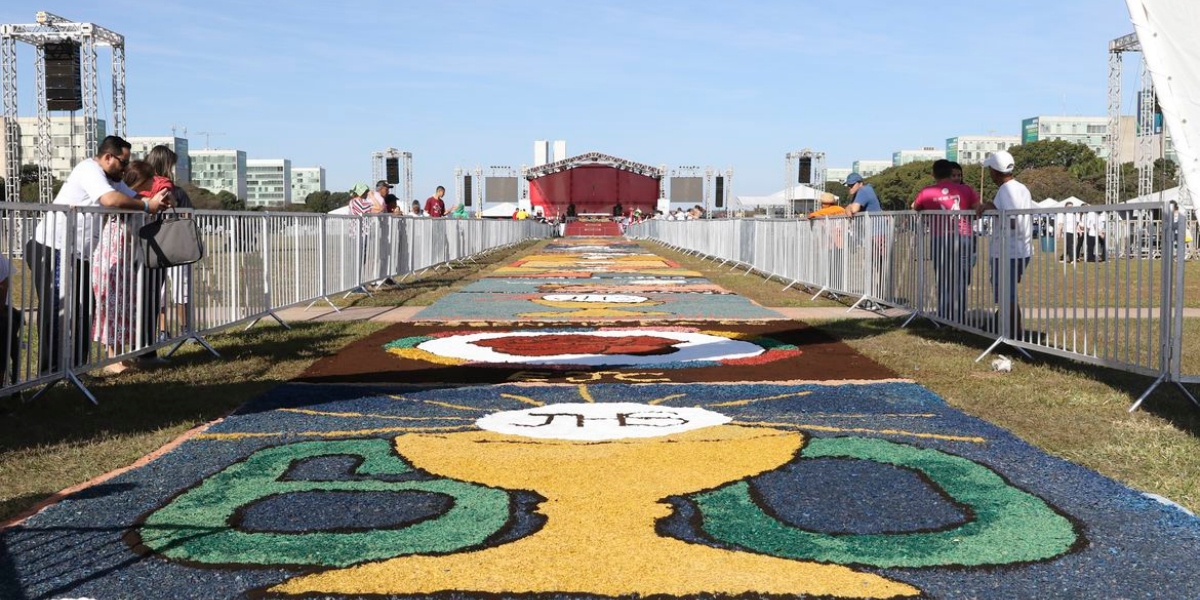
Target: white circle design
[600,421]
[598,298]
[692,347]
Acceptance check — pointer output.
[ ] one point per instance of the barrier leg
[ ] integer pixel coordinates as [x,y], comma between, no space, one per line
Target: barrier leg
[1150,390]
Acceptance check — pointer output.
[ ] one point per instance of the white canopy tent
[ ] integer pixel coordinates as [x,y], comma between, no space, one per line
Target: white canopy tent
[800,192]
[501,210]
[1166,30]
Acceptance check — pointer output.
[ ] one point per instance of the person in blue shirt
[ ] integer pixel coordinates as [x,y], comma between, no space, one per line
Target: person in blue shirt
[862,195]
[865,200]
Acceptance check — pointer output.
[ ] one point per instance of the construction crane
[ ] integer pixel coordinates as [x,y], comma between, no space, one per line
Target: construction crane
[206,134]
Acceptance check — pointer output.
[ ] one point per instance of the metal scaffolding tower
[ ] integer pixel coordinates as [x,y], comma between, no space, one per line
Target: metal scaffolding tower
[51,29]
[379,170]
[791,169]
[1146,128]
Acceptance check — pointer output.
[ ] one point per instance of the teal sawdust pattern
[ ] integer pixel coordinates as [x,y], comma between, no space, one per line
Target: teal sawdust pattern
[1008,525]
[195,527]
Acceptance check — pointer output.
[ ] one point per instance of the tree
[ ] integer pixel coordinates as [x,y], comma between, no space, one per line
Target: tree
[201,198]
[229,201]
[1051,153]
[325,201]
[837,189]
[1060,184]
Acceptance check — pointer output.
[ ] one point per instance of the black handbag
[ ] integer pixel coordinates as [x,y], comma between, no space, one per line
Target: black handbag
[171,241]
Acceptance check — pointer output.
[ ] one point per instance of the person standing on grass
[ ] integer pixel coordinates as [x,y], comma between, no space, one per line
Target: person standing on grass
[950,238]
[1016,235]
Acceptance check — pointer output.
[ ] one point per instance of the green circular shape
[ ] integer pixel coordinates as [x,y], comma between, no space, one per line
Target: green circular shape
[195,526]
[1009,525]
[408,342]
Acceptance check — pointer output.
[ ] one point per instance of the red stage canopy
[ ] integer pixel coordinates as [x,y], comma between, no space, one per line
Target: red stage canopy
[595,183]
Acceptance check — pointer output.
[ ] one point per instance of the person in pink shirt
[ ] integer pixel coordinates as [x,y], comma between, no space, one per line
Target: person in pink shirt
[950,238]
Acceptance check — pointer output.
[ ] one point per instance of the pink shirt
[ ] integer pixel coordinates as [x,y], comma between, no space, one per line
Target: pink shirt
[947,195]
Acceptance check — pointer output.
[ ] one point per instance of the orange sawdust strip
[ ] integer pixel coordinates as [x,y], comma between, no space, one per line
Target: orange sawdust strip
[602,501]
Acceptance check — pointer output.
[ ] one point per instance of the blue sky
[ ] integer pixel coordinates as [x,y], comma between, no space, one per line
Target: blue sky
[679,83]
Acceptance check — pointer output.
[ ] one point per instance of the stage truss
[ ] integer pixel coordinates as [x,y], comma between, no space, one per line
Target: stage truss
[791,174]
[379,171]
[49,29]
[1146,103]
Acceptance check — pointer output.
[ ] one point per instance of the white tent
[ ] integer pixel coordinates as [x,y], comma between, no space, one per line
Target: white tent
[1048,203]
[1166,30]
[345,210]
[501,210]
[1171,195]
[800,192]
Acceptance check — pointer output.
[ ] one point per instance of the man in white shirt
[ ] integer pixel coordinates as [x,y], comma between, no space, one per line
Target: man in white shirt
[93,182]
[10,326]
[1012,240]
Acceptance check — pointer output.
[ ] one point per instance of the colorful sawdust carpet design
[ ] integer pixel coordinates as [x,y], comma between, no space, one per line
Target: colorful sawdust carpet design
[777,351]
[589,281]
[869,490]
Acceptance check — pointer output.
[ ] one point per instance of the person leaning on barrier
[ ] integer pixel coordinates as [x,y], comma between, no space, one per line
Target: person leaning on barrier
[829,208]
[950,238]
[1017,234]
[434,206]
[95,181]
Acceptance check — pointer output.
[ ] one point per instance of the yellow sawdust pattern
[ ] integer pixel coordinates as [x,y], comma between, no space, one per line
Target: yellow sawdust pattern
[524,399]
[665,399]
[246,435]
[750,401]
[898,432]
[355,415]
[602,503]
[422,355]
[586,394]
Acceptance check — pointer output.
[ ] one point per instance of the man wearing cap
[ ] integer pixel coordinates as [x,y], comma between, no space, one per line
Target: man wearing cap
[950,237]
[865,200]
[378,196]
[862,195]
[434,206]
[1012,240]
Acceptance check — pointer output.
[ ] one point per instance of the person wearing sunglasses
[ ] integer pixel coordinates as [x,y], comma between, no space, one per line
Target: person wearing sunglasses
[94,182]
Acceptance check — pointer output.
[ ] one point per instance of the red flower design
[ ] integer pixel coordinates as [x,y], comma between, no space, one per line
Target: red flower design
[555,344]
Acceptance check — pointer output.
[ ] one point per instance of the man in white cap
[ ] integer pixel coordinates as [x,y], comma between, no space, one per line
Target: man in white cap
[1016,235]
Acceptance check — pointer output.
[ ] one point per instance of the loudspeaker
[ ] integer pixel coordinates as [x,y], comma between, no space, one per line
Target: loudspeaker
[720,192]
[466,201]
[393,170]
[805,169]
[64,86]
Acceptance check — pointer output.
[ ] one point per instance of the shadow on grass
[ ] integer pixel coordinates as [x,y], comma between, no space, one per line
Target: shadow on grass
[1167,402]
[195,388]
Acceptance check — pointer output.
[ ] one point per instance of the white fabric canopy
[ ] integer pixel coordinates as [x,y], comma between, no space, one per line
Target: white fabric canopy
[800,192]
[345,210]
[504,209]
[1167,31]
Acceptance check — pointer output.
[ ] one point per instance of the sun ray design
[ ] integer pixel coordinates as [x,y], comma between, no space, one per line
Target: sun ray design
[899,432]
[586,394]
[229,437]
[665,399]
[525,399]
[749,401]
[357,415]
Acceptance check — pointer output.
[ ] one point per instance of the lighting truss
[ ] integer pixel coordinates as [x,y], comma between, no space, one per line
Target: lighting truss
[379,169]
[1146,125]
[51,29]
[594,158]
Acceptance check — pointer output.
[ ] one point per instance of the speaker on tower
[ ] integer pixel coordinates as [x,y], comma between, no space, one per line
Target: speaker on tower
[805,169]
[393,169]
[64,86]
[720,192]
[466,201]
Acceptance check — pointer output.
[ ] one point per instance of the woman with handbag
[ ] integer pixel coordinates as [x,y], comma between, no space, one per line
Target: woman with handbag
[114,265]
[162,161]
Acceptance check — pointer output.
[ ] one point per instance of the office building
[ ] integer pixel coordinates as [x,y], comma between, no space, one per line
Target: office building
[67,143]
[903,157]
[838,174]
[305,181]
[268,182]
[867,168]
[220,171]
[142,146]
[560,151]
[972,149]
